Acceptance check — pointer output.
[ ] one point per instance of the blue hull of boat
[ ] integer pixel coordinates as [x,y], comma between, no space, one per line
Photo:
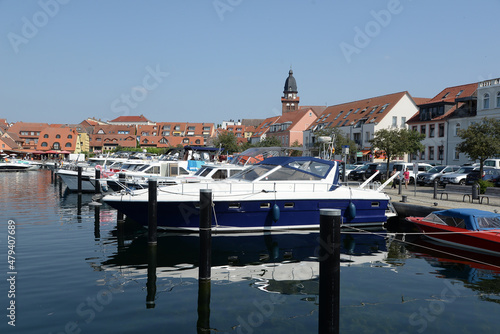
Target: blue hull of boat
[256,215]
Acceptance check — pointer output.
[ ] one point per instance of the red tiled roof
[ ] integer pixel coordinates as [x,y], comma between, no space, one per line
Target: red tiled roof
[449,94]
[130,119]
[372,109]
[264,126]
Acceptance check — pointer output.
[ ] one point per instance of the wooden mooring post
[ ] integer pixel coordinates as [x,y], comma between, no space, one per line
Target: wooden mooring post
[152,211]
[205,267]
[329,271]
[97,178]
[79,187]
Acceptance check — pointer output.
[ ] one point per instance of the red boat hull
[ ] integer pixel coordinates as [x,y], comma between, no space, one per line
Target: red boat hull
[487,242]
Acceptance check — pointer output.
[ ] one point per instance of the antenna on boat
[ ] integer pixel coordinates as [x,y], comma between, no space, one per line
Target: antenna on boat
[327,147]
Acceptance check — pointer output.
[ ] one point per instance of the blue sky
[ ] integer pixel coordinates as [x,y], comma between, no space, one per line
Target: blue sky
[62,61]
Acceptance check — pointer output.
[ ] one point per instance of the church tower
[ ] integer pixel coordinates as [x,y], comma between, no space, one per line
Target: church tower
[290,100]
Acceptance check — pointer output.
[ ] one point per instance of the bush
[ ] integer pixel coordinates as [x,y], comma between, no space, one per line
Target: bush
[483,185]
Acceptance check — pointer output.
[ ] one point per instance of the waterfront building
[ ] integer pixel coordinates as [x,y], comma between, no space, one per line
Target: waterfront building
[359,120]
[439,119]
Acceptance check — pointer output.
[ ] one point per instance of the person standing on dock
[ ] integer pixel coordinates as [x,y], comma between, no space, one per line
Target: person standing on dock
[407,177]
[394,171]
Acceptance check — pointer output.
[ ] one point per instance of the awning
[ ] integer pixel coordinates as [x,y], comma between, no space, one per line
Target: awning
[365,152]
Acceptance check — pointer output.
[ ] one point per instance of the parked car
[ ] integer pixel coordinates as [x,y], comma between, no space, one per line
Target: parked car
[373,168]
[401,167]
[358,174]
[424,179]
[458,177]
[489,174]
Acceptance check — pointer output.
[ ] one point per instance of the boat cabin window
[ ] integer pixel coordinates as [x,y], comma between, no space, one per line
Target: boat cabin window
[204,171]
[220,174]
[488,222]
[284,174]
[252,172]
[234,171]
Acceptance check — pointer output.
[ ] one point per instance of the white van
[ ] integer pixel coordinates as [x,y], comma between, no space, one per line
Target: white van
[495,163]
[401,167]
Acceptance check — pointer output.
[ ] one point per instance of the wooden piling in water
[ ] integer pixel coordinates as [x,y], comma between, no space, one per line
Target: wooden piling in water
[152,211]
[329,271]
[205,234]
[97,184]
[79,179]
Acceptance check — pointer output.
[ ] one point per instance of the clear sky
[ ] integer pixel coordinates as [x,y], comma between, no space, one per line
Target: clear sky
[62,61]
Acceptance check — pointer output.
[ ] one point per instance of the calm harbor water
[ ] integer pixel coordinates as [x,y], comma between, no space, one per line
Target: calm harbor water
[77,271]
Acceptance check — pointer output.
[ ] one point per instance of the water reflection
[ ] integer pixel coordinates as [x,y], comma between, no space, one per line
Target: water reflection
[284,263]
[479,272]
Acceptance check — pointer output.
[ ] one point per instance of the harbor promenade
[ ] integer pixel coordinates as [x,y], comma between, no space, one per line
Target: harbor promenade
[422,201]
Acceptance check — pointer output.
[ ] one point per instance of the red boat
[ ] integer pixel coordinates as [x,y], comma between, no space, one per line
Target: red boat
[470,229]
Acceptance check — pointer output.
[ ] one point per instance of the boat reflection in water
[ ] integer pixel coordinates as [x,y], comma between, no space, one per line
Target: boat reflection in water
[277,262]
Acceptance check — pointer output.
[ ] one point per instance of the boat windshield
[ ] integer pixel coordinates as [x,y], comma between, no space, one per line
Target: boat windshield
[445,220]
[295,170]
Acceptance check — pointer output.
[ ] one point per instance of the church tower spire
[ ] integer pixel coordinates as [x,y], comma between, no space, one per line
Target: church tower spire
[290,100]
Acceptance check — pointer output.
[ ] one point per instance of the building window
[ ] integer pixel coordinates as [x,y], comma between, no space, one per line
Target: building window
[457,155]
[414,128]
[197,141]
[457,129]
[486,101]
[68,145]
[394,121]
[498,100]
[422,129]
[70,136]
[57,146]
[45,136]
[431,131]
[441,130]
[58,136]
[403,122]
[44,144]
[367,135]
[422,155]
[431,152]
[165,133]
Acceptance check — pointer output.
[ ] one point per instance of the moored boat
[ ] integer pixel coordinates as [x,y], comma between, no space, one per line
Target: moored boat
[470,229]
[279,193]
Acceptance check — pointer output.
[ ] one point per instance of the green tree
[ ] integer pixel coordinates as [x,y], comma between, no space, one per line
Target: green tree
[481,141]
[397,142]
[228,142]
[296,153]
[269,142]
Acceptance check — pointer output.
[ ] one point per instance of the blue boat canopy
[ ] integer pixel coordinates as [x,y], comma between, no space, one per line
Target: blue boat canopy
[470,219]
[293,168]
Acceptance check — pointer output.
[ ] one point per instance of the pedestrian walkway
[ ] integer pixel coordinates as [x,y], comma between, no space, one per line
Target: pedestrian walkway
[424,196]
